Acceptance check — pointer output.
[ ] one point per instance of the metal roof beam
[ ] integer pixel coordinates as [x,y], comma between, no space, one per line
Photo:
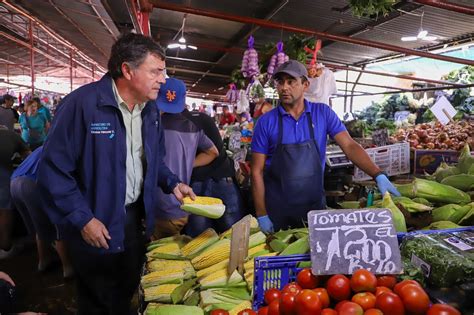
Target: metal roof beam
[446,5]
[296,29]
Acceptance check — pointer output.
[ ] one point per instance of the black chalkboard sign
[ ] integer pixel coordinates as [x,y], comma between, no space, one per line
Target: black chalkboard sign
[343,241]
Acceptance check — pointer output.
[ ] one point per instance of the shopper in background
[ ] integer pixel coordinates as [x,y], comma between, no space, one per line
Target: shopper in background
[27,201]
[289,151]
[33,125]
[261,107]
[100,168]
[8,116]
[11,143]
[227,117]
[43,110]
[183,140]
[214,180]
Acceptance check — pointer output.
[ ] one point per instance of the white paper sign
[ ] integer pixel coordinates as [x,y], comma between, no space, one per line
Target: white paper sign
[443,110]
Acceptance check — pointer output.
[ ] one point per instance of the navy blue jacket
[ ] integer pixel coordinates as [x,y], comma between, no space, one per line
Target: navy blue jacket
[83,168]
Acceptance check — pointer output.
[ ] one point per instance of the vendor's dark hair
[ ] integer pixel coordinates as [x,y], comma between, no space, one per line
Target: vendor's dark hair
[133,49]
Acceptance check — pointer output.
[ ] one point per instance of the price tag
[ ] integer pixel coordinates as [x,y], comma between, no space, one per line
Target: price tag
[443,110]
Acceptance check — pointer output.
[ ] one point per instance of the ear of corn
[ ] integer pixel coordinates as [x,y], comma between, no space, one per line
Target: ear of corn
[173,310]
[219,279]
[397,216]
[464,182]
[410,205]
[181,240]
[204,206]
[441,225]
[253,229]
[162,277]
[257,239]
[466,160]
[446,212]
[434,192]
[178,294]
[212,255]
[193,299]
[167,251]
[164,264]
[224,295]
[160,293]
[300,246]
[468,219]
[259,249]
[209,270]
[203,240]
[242,306]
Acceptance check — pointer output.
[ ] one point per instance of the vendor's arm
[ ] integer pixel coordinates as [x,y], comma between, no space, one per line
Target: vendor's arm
[361,159]
[356,153]
[258,185]
[258,191]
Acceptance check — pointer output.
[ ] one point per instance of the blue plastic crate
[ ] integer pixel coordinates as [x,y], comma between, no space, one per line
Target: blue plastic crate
[274,272]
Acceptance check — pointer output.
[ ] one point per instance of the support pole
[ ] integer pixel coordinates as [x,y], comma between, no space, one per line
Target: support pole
[70,68]
[32,58]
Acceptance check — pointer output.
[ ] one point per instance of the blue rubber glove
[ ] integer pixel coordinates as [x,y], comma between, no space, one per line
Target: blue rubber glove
[384,185]
[265,224]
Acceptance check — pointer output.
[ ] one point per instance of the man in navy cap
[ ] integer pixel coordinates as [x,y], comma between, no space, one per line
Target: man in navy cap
[289,151]
[183,139]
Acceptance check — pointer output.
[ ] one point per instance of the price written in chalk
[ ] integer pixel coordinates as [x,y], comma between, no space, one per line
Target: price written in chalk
[343,241]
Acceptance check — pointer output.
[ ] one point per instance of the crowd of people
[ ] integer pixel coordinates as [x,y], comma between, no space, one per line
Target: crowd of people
[110,171]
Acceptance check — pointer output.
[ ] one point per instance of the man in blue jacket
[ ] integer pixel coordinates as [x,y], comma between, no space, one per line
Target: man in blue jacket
[101,168]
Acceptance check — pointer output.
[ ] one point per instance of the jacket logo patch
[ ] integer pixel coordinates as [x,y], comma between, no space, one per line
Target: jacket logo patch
[102,129]
[170,96]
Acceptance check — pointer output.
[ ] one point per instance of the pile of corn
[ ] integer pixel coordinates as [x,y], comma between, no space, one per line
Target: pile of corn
[192,273]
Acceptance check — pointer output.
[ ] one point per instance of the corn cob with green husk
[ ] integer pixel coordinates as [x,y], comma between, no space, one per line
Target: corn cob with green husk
[164,264]
[199,243]
[211,269]
[242,306]
[204,206]
[444,170]
[167,251]
[450,212]
[253,229]
[466,160]
[397,216]
[442,225]
[161,293]
[434,192]
[212,255]
[161,277]
[219,279]
[410,205]
[181,240]
[464,182]
[300,246]
[163,309]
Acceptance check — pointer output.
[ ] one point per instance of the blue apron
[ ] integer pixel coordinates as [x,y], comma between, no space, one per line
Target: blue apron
[294,181]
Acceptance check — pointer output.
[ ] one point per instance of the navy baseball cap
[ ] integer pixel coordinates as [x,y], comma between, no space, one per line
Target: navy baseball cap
[172,96]
[292,67]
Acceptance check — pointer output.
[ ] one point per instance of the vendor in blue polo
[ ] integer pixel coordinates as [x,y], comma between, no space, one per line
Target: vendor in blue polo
[289,151]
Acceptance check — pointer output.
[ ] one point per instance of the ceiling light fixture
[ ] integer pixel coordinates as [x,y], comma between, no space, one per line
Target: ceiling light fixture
[181,44]
[422,34]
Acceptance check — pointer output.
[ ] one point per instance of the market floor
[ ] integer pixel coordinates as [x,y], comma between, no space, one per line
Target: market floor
[45,292]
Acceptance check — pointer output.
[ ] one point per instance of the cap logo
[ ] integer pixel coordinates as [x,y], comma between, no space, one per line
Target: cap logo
[170,96]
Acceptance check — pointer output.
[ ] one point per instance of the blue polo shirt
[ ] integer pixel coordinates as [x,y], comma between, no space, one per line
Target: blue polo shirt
[325,122]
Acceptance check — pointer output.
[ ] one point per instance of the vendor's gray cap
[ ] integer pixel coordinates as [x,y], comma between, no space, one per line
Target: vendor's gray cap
[292,67]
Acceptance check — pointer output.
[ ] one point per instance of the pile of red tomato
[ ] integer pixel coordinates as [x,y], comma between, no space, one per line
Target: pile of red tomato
[362,294]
